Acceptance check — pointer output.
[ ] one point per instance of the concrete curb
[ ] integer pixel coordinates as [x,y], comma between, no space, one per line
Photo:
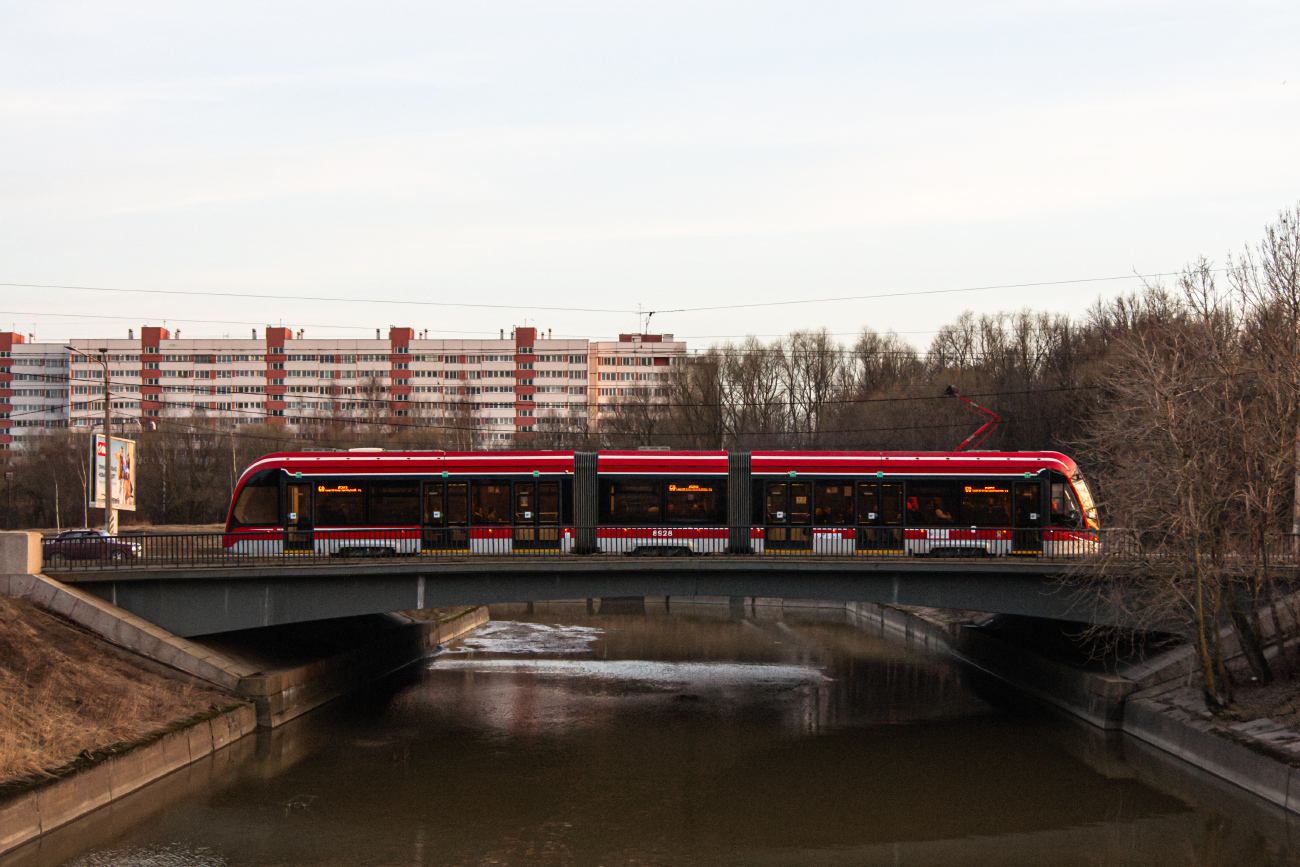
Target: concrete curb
[124,628]
[1179,734]
[29,815]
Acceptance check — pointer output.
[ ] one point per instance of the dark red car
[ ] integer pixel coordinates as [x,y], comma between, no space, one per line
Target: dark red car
[87,545]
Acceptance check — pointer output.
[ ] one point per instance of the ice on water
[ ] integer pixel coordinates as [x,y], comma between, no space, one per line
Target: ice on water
[175,855]
[507,636]
[668,675]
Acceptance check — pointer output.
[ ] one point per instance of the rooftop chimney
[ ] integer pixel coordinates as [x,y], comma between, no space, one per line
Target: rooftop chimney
[130,334]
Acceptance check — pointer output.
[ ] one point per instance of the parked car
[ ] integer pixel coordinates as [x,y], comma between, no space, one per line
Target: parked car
[88,545]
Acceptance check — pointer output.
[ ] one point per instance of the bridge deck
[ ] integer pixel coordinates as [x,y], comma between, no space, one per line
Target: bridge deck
[531,564]
[222,598]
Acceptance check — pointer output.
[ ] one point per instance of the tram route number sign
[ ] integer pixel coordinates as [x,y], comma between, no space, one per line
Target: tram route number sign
[120,468]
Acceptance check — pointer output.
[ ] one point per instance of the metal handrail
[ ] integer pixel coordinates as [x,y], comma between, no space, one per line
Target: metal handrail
[271,547]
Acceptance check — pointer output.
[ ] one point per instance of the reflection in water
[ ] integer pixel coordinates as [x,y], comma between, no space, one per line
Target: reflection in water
[634,739]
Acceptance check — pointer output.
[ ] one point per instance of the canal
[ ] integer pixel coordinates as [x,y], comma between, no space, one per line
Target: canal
[631,737]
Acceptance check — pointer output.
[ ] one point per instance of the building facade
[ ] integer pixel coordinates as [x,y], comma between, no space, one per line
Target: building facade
[497,391]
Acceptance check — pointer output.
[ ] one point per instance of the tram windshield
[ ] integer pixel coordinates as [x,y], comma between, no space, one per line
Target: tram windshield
[1085,499]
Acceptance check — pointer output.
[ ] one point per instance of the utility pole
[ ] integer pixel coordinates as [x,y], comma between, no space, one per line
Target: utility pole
[110,513]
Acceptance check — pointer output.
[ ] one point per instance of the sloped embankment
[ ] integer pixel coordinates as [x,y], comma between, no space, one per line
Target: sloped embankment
[64,691]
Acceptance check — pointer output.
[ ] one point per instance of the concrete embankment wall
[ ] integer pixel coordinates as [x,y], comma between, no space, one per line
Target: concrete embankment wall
[1114,702]
[28,815]
[1108,701]
[284,695]
[276,696]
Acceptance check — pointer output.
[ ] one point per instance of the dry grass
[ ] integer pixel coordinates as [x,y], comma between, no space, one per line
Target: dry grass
[62,692]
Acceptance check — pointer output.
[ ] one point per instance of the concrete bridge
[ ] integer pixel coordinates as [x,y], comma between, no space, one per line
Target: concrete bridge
[205,600]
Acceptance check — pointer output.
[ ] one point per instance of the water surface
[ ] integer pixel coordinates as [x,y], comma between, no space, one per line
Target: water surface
[563,738]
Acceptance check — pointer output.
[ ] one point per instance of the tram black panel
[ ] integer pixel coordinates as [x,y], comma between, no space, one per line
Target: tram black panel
[584,502]
[739,482]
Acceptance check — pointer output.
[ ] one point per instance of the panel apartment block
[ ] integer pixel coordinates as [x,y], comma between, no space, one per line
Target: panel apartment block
[500,390]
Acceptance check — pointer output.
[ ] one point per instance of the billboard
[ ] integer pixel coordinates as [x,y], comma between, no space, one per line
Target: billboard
[122,467]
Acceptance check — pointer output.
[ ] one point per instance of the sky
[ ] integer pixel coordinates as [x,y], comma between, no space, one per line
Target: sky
[377,164]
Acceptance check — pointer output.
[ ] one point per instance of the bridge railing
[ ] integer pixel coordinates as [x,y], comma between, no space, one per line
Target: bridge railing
[319,547]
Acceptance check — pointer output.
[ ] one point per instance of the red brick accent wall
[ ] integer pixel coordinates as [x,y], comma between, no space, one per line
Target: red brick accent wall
[276,338]
[7,341]
[151,339]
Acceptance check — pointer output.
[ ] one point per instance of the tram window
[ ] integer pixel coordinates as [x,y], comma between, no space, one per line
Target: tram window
[394,504]
[800,502]
[868,503]
[986,505]
[630,503]
[435,514]
[491,504]
[1065,506]
[525,504]
[566,500]
[880,505]
[548,502]
[931,504]
[457,504]
[258,503]
[833,504]
[891,504]
[691,502]
[340,504]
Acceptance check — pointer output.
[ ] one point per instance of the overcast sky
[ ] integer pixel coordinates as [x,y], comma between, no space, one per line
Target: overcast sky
[607,154]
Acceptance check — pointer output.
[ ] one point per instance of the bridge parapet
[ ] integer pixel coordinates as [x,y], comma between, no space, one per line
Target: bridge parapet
[20,553]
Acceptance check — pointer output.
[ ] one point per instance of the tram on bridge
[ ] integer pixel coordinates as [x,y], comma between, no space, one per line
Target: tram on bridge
[371,502]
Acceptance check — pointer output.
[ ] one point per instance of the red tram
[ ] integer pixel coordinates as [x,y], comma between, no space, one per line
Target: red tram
[663,502]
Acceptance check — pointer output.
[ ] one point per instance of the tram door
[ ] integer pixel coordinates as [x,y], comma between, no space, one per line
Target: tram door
[880,517]
[445,517]
[1028,519]
[788,516]
[537,515]
[298,534]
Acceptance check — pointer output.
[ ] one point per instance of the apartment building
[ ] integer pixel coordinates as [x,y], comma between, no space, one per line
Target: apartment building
[634,368]
[499,390]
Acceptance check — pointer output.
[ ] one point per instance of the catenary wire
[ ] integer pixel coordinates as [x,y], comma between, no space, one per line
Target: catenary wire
[794,301]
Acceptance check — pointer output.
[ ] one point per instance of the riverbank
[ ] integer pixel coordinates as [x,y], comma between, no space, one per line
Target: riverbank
[99,706]
[65,692]
[1153,698]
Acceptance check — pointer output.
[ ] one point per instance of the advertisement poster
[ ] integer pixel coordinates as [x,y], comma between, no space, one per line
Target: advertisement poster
[122,468]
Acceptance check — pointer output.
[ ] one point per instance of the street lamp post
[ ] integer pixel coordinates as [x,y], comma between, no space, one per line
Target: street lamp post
[9,511]
[110,514]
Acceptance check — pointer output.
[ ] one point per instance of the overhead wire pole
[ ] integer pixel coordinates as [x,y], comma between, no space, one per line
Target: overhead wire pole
[110,513]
